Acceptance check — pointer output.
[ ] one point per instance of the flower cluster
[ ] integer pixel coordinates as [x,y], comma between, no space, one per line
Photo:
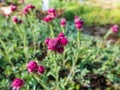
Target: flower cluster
[57,44]
[28,8]
[78,22]
[114,28]
[63,22]
[17,83]
[51,15]
[32,66]
[16,20]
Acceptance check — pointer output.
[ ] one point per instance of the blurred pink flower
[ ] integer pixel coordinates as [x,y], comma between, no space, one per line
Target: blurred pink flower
[61,34]
[13,8]
[32,66]
[51,11]
[47,41]
[28,8]
[60,49]
[114,28]
[78,26]
[78,23]
[57,44]
[53,44]
[16,20]
[48,18]
[64,41]
[63,22]
[41,69]
[17,83]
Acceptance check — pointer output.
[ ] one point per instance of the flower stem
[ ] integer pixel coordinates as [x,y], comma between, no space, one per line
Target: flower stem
[40,82]
[63,29]
[23,38]
[51,29]
[33,31]
[78,38]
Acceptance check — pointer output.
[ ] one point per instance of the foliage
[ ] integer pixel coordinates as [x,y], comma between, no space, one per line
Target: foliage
[84,55]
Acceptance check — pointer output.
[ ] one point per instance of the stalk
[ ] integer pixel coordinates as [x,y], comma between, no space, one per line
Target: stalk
[23,38]
[33,33]
[51,31]
[78,38]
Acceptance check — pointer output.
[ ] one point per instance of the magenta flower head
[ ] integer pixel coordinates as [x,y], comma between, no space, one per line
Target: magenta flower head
[78,26]
[51,11]
[27,8]
[64,41]
[30,6]
[16,20]
[76,17]
[63,22]
[57,44]
[47,41]
[61,34]
[17,83]
[60,49]
[114,28]
[25,11]
[53,44]
[78,23]
[13,8]
[32,66]
[48,18]
[41,69]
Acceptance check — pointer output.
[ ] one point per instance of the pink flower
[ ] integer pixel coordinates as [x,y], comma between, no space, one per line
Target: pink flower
[48,18]
[63,22]
[76,17]
[27,8]
[57,44]
[61,34]
[53,44]
[25,11]
[17,83]
[13,8]
[78,23]
[30,6]
[78,26]
[63,41]
[60,49]
[114,28]
[51,11]
[16,20]
[41,69]
[32,66]
[47,41]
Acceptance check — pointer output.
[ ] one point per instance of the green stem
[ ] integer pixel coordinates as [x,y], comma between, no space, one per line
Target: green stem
[23,38]
[71,74]
[57,70]
[40,82]
[78,39]
[33,32]
[63,29]
[6,53]
[51,29]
